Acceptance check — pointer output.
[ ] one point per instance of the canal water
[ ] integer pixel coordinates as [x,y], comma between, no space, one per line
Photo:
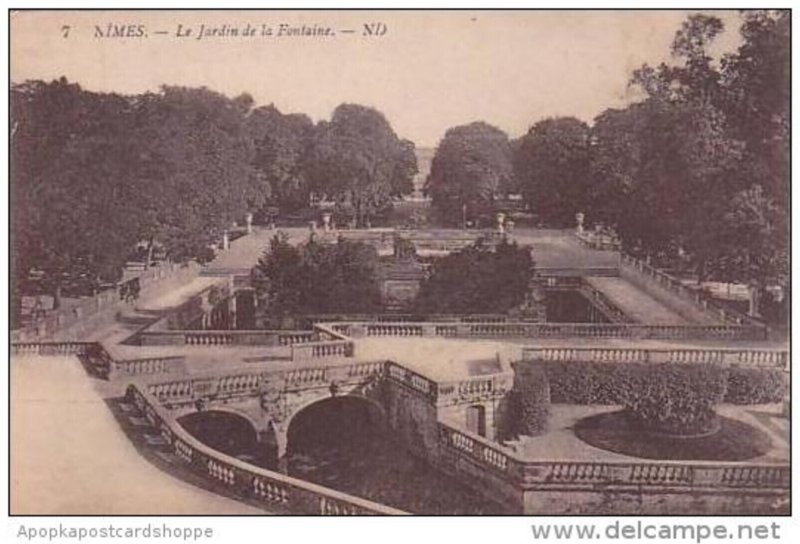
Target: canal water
[342,446]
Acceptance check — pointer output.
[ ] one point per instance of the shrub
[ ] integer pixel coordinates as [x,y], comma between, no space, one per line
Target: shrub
[671,398]
[675,398]
[586,383]
[756,385]
[531,403]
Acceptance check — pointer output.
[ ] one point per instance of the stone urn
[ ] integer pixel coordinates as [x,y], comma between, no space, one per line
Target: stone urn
[579,217]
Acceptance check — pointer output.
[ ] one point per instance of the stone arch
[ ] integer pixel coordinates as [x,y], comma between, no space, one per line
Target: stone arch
[297,409]
[232,432]
[376,411]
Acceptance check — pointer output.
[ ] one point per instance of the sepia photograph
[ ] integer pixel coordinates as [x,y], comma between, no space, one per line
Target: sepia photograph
[399,262]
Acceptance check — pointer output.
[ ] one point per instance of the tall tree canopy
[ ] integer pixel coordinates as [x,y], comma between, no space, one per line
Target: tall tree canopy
[357,160]
[551,168]
[699,168]
[470,171]
[281,145]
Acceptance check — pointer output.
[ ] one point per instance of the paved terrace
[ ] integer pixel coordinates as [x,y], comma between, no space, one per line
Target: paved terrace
[552,249]
[53,394]
[69,455]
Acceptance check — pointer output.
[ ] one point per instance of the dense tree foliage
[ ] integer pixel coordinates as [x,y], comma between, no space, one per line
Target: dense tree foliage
[358,161]
[477,279]
[551,168]
[281,144]
[697,172]
[318,278]
[470,171]
[95,175]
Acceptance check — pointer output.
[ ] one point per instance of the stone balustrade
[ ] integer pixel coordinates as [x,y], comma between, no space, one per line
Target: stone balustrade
[226,337]
[242,383]
[462,329]
[697,298]
[323,350]
[99,358]
[147,365]
[107,300]
[276,491]
[473,389]
[577,475]
[601,242]
[51,348]
[732,357]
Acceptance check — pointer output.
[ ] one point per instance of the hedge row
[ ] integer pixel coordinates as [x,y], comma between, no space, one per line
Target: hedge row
[669,397]
[531,404]
[606,383]
[756,385]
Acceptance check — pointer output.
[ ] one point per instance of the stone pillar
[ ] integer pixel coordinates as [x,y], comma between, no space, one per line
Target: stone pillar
[579,217]
[755,301]
[249,221]
[326,222]
[226,244]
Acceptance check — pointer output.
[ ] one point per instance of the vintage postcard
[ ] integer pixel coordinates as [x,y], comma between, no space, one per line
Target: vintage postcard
[366,262]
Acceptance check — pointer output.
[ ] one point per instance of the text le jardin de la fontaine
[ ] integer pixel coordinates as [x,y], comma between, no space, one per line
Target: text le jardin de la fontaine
[203,31]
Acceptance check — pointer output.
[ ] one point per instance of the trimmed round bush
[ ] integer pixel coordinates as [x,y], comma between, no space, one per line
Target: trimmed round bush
[675,399]
[756,385]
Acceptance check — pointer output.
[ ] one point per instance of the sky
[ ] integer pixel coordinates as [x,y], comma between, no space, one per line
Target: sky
[427,72]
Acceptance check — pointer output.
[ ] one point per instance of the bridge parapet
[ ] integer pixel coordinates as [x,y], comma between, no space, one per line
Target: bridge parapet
[274,490]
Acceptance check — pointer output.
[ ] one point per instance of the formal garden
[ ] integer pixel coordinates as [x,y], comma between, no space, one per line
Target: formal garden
[581,319]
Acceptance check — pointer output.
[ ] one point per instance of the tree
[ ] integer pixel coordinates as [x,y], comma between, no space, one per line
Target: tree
[358,161]
[665,169]
[318,278]
[477,279]
[551,167]
[470,170]
[194,171]
[281,144]
[71,218]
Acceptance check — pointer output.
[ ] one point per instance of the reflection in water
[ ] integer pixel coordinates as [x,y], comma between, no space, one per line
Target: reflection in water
[340,444]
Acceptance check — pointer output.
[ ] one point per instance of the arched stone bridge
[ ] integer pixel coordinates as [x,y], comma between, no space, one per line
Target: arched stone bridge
[409,403]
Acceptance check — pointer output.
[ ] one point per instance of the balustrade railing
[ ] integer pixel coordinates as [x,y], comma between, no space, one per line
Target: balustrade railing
[558,474]
[103,363]
[700,300]
[276,491]
[753,358]
[106,300]
[462,329]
